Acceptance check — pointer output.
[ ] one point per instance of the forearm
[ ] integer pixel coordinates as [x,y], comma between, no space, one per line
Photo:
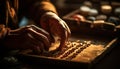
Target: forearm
[45,6]
[40,8]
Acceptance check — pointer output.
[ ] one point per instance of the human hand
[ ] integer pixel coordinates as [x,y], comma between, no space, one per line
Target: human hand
[29,37]
[53,24]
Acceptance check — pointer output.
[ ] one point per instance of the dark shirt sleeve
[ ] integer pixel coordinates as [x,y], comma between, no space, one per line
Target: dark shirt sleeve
[3,33]
[34,9]
[42,7]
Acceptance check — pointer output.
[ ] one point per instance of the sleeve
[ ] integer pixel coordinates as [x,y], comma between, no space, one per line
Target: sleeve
[41,7]
[3,33]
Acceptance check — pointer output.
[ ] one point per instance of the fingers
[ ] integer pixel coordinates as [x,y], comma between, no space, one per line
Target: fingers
[40,37]
[19,30]
[65,35]
[34,35]
[60,29]
[40,30]
[56,27]
[67,30]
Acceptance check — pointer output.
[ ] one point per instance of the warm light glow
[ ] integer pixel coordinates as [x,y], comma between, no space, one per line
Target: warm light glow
[106,7]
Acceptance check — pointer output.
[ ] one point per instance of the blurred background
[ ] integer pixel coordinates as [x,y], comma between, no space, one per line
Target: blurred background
[66,6]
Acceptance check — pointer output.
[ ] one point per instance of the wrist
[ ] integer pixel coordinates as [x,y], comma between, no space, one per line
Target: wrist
[50,14]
